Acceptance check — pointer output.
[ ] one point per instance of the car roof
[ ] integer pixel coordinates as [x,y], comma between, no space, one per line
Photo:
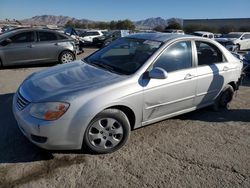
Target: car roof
[16,31]
[161,37]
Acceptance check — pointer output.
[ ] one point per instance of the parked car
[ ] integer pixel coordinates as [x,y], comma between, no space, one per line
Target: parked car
[89,35]
[203,34]
[28,46]
[235,41]
[134,81]
[75,34]
[177,31]
[245,60]
[109,37]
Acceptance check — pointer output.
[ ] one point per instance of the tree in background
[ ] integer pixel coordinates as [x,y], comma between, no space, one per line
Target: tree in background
[173,25]
[120,24]
[159,28]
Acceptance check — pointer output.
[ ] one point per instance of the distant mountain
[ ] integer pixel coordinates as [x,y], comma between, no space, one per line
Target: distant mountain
[52,20]
[149,23]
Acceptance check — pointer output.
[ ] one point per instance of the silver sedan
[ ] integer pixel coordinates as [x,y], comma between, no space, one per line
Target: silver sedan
[29,46]
[135,81]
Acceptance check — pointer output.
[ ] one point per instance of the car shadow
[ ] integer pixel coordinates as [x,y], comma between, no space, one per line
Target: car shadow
[208,115]
[14,146]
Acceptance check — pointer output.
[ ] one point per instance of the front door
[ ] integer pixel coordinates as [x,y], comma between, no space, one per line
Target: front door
[163,97]
[20,50]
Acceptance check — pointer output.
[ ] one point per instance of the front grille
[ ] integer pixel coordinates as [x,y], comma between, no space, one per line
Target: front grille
[21,101]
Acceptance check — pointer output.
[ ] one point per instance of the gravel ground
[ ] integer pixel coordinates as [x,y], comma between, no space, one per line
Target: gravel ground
[198,149]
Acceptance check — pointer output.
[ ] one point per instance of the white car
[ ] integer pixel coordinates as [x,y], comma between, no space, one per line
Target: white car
[235,41]
[203,34]
[89,35]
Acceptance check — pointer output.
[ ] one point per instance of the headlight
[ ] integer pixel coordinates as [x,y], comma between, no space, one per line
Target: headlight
[49,110]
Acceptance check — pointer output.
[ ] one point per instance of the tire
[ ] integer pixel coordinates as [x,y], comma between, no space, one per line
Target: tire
[107,132]
[66,57]
[224,98]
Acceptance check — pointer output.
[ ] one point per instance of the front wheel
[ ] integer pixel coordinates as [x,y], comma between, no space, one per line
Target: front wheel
[107,132]
[66,57]
[224,98]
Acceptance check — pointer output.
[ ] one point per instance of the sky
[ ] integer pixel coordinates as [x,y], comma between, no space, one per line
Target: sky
[107,10]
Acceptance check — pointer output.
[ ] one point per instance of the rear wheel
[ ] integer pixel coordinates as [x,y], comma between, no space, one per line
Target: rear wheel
[66,57]
[107,132]
[224,98]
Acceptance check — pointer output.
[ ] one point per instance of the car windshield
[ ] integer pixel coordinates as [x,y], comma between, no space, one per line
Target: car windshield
[124,56]
[231,35]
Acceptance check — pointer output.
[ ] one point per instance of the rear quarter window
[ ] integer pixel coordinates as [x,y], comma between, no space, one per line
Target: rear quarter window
[47,36]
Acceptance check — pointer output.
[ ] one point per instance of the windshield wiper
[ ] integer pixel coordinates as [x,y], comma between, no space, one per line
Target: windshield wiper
[104,66]
[99,63]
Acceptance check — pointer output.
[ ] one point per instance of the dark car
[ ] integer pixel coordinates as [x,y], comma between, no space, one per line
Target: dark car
[109,37]
[29,46]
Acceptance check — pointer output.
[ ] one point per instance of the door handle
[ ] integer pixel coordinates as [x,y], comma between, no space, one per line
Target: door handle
[225,68]
[188,77]
[56,44]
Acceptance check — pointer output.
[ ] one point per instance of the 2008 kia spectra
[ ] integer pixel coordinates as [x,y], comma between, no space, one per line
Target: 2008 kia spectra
[135,81]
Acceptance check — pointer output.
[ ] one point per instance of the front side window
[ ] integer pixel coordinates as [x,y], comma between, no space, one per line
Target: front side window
[23,37]
[208,53]
[47,36]
[246,36]
[124,56]
[176,57]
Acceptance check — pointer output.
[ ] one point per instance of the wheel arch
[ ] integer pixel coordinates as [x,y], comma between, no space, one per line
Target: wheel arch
[233,84]
[128,112]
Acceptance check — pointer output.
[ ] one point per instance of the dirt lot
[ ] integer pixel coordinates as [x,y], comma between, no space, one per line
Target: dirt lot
[199,149]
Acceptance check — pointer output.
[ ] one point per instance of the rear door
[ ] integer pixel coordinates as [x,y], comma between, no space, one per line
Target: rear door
[20,50]
[48,46]
[213,72]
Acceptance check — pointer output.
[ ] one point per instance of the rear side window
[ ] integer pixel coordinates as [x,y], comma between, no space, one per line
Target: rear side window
[176,57]
[208,53]
[23,37]
[47,36]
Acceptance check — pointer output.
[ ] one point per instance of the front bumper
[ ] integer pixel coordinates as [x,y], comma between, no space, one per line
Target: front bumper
[61,134]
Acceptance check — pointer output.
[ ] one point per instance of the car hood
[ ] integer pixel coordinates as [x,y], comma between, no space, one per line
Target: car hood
[66,80]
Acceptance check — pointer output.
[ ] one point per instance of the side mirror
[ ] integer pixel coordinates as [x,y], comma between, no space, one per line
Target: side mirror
[242,38]
[158,73]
